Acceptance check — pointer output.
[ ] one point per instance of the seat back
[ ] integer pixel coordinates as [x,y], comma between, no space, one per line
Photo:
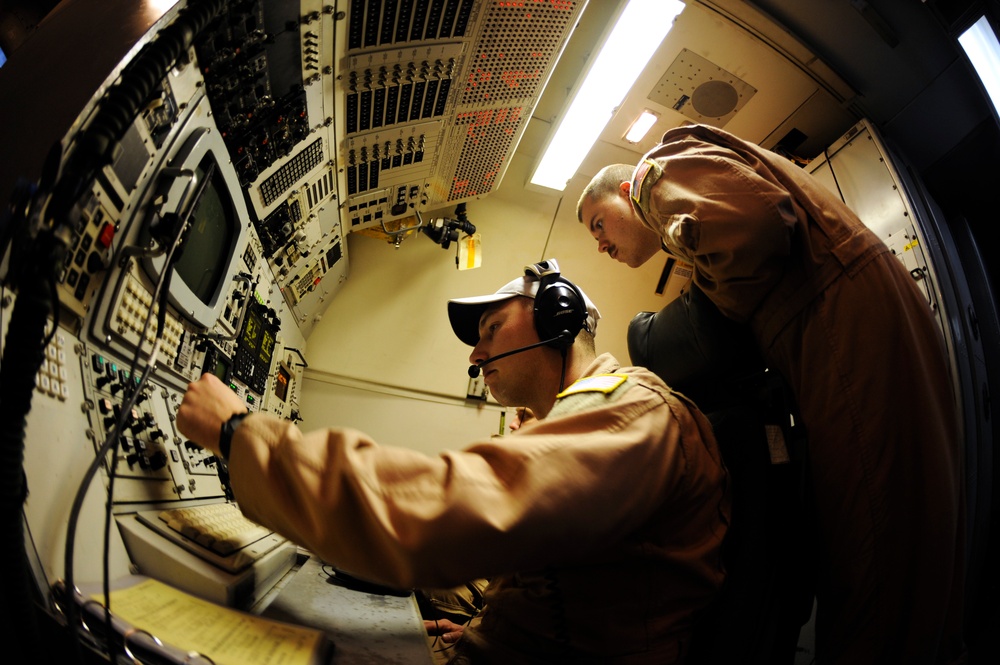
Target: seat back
[714,361]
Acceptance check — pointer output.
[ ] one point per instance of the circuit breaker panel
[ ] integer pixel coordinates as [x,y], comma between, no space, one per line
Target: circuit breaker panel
[433,97]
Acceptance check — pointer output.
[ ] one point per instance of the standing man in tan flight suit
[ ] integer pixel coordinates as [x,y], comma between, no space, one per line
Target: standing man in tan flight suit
[839,317]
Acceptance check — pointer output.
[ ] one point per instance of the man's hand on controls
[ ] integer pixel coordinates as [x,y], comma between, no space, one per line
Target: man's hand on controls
[207,404]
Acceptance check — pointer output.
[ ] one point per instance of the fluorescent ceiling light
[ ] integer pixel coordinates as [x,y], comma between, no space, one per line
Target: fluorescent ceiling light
[627,50]
[163,5]
[641,125]
[980,44]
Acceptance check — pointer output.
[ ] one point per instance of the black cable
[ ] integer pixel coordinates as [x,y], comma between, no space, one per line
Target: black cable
[54,294]
[114,447]
[464,625]
[299,354]
[35,303]
[111,442]
[122,103]
[105,566]
[31,312]
[117,111]
[3,306]
[131,392]
[34,549]
[562,376]
[163,288]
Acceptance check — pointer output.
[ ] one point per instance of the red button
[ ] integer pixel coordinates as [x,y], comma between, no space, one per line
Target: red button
[106,235]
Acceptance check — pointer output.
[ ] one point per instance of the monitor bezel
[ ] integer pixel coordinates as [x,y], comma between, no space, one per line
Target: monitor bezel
[201,143]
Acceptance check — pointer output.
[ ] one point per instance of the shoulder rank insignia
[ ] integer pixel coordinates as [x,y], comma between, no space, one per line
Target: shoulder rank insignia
[599,383]
[643,178]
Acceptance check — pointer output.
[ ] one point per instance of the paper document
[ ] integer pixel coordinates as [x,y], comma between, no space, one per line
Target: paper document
[227,636]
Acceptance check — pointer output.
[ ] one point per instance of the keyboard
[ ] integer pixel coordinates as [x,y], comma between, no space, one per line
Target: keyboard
[220,527]
[210,551]
[218,533]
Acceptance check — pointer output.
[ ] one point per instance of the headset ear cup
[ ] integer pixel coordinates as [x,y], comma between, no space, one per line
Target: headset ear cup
[560,310]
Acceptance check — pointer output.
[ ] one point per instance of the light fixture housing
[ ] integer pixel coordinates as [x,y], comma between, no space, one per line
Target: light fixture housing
[637,34]
[640,126]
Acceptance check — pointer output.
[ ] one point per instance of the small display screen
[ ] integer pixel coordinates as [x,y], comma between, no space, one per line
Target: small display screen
[221,368]
[281,384]
[206,251]
[266,347]
[252,330]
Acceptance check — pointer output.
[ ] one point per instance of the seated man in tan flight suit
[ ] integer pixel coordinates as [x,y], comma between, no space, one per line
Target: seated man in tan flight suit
[599,524]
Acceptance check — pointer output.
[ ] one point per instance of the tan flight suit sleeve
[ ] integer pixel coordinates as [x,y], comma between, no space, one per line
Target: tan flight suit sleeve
[715,211]
[402,518]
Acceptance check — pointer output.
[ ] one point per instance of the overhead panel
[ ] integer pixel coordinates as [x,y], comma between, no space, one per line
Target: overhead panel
[433,97]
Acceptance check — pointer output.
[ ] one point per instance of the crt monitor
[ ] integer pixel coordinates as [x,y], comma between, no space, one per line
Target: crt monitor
[217,236]
[209,239]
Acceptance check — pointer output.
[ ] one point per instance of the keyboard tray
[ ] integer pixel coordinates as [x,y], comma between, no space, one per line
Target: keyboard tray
[228,551]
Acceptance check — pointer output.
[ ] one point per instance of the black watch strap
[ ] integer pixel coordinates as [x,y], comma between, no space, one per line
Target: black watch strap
[226,435]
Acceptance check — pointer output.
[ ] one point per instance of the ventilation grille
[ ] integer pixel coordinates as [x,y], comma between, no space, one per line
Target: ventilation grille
[488,138]
[701,90]
[284,178]
[516,46]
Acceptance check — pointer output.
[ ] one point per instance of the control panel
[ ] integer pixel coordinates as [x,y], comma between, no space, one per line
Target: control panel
[206,227]
[165,278]
[153,462]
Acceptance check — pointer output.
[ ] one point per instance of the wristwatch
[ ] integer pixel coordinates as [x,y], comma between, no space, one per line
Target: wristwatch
[226,434]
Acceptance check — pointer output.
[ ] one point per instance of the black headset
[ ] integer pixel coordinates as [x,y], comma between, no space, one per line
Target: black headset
[560,307]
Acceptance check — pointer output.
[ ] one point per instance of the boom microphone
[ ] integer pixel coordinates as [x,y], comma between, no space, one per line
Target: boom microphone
[474,369]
